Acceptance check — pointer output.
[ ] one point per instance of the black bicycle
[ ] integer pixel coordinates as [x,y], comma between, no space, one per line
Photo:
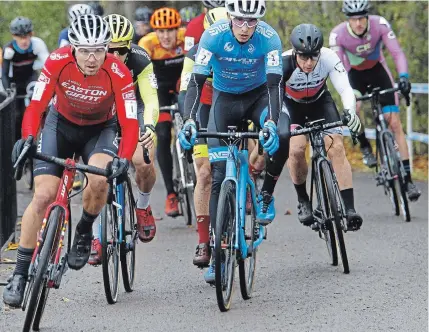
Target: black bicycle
[389,169]
[330,217]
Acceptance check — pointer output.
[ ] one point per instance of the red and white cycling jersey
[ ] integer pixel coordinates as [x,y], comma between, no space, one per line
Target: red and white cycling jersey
[85,100]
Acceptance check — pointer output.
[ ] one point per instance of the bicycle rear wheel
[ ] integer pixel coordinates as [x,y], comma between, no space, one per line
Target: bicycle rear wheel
[128,245]
[110,252]
[225,255]
[334,214]
[247,265]
[37,300]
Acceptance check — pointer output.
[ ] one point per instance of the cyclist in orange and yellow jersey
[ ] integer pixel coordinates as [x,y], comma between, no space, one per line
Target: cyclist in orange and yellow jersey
[165,47]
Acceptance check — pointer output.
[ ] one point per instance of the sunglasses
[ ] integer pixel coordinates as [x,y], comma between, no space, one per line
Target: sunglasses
[97,52]
[120,50]
[305,57]
[240,22]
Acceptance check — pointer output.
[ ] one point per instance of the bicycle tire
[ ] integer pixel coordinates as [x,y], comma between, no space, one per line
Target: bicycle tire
[389,185]
[41,307]
[191,214]
[246,283]
[128,245]
[334,212]
[109,249]
[225,227]
[399,182]
[44,257]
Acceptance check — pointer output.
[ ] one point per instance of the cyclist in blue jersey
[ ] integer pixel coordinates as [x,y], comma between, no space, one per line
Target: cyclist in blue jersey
[245,55]
[74,12]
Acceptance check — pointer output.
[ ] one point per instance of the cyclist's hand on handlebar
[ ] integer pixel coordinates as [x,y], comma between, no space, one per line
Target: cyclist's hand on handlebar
[147,136]
[186,141]
[118,169]
[18,147]
[353,122]
[405,87]
[271,145]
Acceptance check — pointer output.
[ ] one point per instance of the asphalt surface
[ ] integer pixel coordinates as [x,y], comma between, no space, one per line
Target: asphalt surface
[295,288]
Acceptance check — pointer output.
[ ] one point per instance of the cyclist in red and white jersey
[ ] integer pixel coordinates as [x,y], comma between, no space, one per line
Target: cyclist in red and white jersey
[92,90]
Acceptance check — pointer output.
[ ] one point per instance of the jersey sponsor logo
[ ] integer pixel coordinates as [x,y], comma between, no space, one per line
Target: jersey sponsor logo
[131,109]
[140,52]
[173,61]
[244,61]
[56,56]
[44,78]
[81,93]
[213,31]
[189,43]
[339,67]
[273,58]
[8,53]
[266,32]
[203,57]
[39,88]
[251,49]
[116,70]
[363,48]
[152,80]
[333,39]
[228,47]
[130,95]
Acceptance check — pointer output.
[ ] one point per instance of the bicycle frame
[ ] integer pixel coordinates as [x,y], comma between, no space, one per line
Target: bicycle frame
[238,160]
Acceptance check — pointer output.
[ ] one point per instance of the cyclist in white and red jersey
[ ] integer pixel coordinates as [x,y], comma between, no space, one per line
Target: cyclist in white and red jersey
[306,69]
[91,90]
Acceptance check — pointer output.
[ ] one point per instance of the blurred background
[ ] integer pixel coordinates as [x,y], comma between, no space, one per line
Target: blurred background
[409,20]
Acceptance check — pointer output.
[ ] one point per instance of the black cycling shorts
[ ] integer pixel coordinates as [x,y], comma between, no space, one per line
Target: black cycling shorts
[62,138]
[322,108]
[377,76]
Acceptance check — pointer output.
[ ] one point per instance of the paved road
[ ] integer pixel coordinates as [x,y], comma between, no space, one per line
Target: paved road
[295,288]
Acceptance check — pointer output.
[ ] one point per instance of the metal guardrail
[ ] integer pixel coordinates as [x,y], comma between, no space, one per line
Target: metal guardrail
[8,204]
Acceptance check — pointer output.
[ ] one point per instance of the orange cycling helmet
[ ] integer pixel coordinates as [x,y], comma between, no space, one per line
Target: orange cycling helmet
[165,18]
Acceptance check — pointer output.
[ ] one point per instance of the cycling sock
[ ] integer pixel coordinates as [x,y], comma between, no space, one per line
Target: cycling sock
[96,228]
[85,224]
[143,200]
[23,261]
[348,198]
[301,190]
[203,229]
[364,142]
[269,183]
[407,167]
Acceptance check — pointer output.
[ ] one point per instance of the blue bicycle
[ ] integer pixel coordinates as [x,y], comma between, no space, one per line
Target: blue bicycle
[236,240]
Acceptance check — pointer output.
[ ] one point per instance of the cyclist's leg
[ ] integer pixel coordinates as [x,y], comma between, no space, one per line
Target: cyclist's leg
[274,166]
[202,192]
[53,142]
[359,80]
[297,163]
[99,146]
[390,109]
[335,148]
[163,153]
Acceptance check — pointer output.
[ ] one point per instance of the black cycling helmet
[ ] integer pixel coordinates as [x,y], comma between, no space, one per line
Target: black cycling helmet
[96,7]
[21,26]
[306,39]
[143,14]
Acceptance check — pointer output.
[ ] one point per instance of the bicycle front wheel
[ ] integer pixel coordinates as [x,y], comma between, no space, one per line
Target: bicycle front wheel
[37,299]
[128,245]
[334,215]
[110,252]
[225,255]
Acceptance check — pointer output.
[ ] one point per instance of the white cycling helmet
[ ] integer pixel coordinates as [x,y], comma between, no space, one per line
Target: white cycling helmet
[77,10]
[355,7]
[89,30]
[213,3]
[246,8]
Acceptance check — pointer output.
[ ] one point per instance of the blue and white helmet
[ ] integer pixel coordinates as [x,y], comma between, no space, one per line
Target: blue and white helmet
[77,10]
[355,7]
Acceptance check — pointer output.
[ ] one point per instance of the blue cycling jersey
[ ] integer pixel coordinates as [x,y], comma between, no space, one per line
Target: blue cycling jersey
[64,35]
[238,67]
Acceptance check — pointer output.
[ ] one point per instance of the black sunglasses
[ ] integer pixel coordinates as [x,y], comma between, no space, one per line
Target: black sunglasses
[120,50]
